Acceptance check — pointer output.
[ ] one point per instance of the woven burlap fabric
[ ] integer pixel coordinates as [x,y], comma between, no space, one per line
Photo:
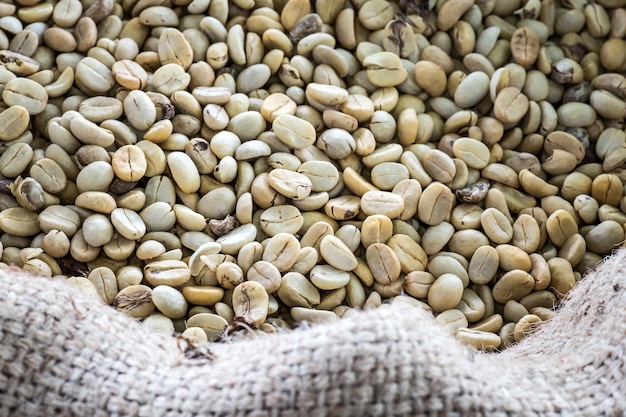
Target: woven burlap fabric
[63,355]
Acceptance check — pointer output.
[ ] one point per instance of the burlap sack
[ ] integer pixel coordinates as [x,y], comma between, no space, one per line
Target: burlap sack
[62,355]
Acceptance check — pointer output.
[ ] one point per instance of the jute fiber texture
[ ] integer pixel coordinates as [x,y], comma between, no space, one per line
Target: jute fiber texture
[64,355]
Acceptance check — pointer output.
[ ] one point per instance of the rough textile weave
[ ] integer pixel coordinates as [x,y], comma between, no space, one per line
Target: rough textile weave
[63,355]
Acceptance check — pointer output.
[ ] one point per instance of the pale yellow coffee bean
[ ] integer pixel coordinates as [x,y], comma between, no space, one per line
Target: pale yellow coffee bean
[97,230]
[90,133]
[248,255]
[172,273]
[472,89]
[576,114]
[284,160]
[350,235]
[418,283]
[205,295]
[326,277]
[294,132]
[474,153]
[471,306]
[382,202]
[525,46]
[237,238]
[105,283]
[129,74]
[139,110]
[281,219]
[376,228]
[607,189]
[435,204]
[466,216]
[439,166]
[15,159]
[374,14]
[26,93]
[282,250]
[336,143]
[383,263]
[49,174]
[337,254]
[55,217]
[540,272]
[184,171]
[525,326]
[169,301]
[573,250]
[446,292]
[170,78]
[307,259]
[195,335]
[150,249]
[314,235]
[483,265]
[451,12]
[603,238]
[252,78]
[158,216]
[357,184]
[129,163]
[212,325]
[501,173]
[297,291]
[387,174]
[326,95]
[343,207]
[13,122]
[510,105]
[451,320]
[158,16]
[511,257]
[526,233]
[560,227]
[93,76]
[276,104]
[250,303]
[513,311]
[135,301]
[266,274]
[384,69]
[301,314]
[496,225]
[449,262]
[430,77]
[607,104]
[410,254]
[19,221]
[158,323]
[324,176]
[83,285]
[513,285]
[410,190]
[128,223]
[479,340]
[290,184]
[56,243]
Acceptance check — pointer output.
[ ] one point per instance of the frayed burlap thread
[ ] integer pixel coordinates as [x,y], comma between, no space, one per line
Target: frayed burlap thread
[61,354]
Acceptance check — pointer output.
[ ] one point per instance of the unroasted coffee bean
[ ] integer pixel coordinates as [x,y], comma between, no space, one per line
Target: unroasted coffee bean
[135,300]
[250,303]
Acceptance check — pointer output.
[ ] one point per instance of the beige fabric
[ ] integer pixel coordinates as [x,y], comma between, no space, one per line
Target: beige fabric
[62,355]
